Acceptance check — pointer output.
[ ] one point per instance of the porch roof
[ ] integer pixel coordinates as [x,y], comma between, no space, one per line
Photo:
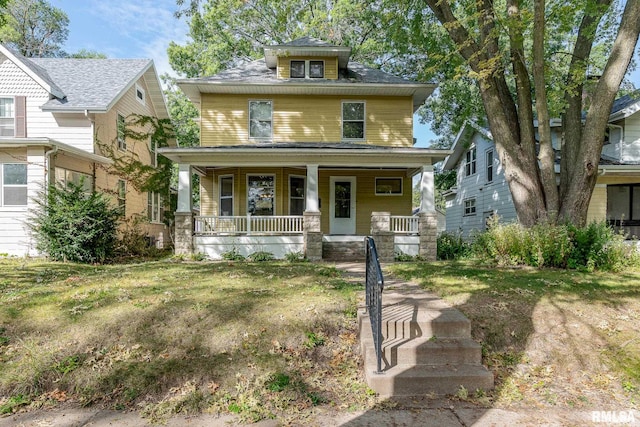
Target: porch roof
[300,154]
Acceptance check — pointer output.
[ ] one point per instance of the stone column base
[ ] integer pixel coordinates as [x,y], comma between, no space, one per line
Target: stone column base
[313,245]
[384,245]
[428,227]
[184,233]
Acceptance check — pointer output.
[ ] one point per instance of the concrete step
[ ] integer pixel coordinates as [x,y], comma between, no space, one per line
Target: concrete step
[420,380]
[423,350]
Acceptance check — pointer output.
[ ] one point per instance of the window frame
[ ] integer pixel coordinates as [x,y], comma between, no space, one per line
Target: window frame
[120,131]
[232,197]
[304,193]
[121,195]
[153,154]
[304,68]
[489,165]
[307,68]
[155,207]
[260,138]
[471,161]
[4,186]
[378,193]
[364,119]
[469,206]
[142,100]
[273,175]
[11,118]
[88,178]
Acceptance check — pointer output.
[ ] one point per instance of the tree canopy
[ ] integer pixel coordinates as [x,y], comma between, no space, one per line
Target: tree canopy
[34,27]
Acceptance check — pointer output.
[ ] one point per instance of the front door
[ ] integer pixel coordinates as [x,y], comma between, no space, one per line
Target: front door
[342,212]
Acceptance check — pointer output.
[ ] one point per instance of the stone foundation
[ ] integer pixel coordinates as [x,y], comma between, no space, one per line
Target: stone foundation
[184,233]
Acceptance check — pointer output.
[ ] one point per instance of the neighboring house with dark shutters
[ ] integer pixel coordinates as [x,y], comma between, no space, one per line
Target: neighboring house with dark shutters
[481,189]
[305,151]
[54,115]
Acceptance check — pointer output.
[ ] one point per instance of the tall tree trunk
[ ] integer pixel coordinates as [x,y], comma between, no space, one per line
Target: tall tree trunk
[581,176]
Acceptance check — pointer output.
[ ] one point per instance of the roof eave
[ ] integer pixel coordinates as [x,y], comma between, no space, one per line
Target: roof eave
[52,143]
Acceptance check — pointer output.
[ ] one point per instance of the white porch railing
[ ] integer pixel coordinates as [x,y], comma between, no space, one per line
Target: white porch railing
[211,225]
[404,224]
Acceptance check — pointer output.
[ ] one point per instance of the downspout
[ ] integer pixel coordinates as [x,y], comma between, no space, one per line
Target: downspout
[93,142]
[621,144]
[48,166]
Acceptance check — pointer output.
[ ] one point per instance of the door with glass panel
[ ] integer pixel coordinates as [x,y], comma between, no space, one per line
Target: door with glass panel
[342,211]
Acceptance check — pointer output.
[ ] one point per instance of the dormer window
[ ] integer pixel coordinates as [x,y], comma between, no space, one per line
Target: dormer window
[299,69]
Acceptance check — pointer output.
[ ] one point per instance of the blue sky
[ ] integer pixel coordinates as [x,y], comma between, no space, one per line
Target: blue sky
[143,29]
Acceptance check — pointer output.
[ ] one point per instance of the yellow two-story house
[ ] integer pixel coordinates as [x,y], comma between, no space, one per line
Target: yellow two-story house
[305,151]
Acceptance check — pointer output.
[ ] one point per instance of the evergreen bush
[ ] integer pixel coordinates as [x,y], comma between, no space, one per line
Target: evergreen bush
[72,225]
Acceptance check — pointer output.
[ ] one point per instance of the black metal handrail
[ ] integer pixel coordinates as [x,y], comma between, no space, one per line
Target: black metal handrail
[374,283]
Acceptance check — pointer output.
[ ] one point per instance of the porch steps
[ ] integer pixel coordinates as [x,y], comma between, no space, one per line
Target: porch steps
[343,250]
[427,348]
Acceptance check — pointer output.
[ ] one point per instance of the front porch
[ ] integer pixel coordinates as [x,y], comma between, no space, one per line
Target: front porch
[332,196]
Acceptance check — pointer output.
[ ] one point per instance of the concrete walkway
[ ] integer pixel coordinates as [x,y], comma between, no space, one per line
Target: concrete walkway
[414,412]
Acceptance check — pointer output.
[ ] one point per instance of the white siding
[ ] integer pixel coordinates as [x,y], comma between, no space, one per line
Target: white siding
[489,196]
[631,146]
[72,129]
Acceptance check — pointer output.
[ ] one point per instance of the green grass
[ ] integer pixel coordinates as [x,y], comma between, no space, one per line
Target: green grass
[179,336]
[552,337]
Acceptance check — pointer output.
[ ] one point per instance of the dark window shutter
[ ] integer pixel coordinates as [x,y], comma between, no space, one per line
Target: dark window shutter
[21,116]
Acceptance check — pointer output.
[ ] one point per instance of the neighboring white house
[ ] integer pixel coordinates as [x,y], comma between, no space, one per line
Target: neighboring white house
[481,189]
[53,114]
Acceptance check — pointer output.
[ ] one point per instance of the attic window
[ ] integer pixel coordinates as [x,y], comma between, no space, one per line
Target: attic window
[140,95]
[7,127]
[299,69]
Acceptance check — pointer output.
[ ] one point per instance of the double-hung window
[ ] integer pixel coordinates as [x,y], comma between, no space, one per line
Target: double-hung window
[13,184]
[226,195]
[260,120]
[65,177]
[470,207]
[489,160]
[296,195]
[154,207]
[353,114]
[120,127]
[121,191]
[7,117]
[470,163]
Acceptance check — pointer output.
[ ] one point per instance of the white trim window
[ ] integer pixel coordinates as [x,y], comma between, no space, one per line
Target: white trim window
[389,186]
[13,184]
[155,207]
[470,162]
[121,191]
[353,120]
[470,206]
[7,117]
[306,69]
[65,176]
[225,184]
[261,195]
[120,129]
[260,120]
[297,194]
[140,95]
[489,165]
[153,154]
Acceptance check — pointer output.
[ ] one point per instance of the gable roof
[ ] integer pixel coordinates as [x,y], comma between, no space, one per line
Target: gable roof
[461,142]
[92,85]
[624,107]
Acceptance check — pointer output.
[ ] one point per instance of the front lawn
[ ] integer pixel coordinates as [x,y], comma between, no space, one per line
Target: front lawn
[257,339]
[554,338]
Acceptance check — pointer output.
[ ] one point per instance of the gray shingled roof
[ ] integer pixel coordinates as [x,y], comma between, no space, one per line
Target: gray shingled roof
[39,71]
[258,72]
[89,84]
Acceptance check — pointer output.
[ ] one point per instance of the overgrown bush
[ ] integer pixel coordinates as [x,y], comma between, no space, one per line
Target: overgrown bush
[261,256]
[232,255]
[72,225]
[595,246]
[134,240]
[451,245]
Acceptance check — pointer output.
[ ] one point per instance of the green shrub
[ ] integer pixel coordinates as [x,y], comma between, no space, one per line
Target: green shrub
[452,246]
[134,241]
[232,255]
[595,246]
[295,257]
[261,256]
[71,225]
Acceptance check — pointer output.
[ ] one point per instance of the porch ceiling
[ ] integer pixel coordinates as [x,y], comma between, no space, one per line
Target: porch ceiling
[270,155]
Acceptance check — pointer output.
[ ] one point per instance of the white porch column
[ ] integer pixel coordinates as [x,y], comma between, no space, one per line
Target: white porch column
[312,189]
[184,188]
[427,189]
